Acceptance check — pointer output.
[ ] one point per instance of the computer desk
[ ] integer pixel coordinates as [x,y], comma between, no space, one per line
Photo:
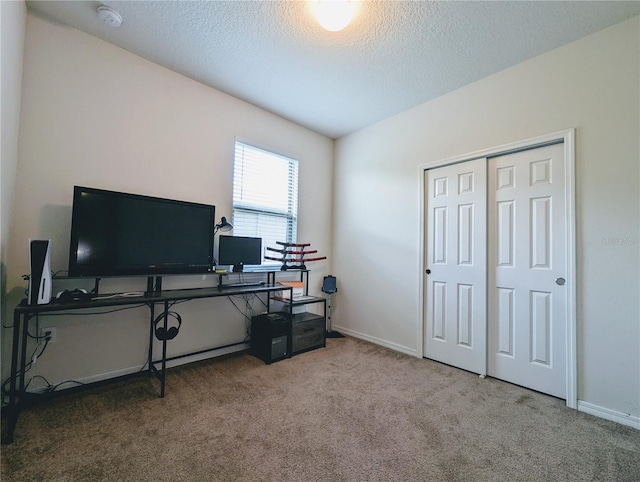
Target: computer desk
[23,313]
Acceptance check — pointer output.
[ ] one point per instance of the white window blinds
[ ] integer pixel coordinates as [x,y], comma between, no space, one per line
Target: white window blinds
[265,196]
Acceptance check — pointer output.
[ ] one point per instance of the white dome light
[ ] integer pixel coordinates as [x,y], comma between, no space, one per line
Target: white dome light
[334,15]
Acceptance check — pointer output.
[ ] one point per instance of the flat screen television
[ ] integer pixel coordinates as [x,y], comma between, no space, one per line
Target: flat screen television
[238,251]
[116,233]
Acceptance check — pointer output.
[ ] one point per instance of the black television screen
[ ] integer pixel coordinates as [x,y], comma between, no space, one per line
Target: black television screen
[239,251]
[115,233]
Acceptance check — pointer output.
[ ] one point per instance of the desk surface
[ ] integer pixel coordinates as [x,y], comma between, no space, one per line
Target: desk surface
[159,297]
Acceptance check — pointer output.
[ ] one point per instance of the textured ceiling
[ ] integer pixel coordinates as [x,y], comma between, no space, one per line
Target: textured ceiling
[393,56]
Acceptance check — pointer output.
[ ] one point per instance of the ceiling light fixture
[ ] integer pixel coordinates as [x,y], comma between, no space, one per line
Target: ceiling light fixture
[334,15]
[109,16]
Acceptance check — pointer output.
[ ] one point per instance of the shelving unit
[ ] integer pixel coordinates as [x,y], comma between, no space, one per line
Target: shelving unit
[306,330]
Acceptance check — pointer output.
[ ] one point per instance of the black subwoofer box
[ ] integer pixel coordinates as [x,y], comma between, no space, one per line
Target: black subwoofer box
[271,336]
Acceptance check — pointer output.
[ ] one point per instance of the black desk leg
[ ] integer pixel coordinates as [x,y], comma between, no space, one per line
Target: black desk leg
[291,317]
[151,326]
[164,349]
[161,374]
[14,409]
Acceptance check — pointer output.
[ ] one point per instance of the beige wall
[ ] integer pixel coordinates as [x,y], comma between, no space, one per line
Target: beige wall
[591,85]
[13,17]
[98,116]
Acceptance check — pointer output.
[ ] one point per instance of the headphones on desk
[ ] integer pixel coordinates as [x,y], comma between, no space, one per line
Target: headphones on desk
[169,333]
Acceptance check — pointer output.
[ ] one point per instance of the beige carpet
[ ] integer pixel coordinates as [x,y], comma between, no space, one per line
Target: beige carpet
[350,412]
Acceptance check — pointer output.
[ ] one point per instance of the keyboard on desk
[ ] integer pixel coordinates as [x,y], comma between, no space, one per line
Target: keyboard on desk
[242,285]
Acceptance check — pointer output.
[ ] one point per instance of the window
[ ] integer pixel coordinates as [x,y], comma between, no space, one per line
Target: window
[265,196]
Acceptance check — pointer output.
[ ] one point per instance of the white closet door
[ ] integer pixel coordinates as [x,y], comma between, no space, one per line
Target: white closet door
[527,266]
[456,198]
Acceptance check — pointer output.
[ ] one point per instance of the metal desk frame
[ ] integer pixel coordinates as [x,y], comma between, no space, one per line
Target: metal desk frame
[24,313]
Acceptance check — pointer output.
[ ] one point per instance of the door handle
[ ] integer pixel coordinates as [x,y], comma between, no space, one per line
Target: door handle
[428,271]
[560,281]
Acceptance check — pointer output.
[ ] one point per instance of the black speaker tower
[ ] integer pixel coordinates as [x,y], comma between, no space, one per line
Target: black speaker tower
[329,287]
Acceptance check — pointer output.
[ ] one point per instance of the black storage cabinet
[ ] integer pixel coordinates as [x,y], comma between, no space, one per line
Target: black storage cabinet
[308,332]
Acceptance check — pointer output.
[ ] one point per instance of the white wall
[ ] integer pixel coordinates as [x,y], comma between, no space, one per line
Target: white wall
[592,85]
[98,116]
[13,19]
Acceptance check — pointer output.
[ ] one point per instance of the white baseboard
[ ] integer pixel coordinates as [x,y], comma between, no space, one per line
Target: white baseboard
[377,341]
[608,414]
[207,355]
[86,380]
[170,364]
[104,376]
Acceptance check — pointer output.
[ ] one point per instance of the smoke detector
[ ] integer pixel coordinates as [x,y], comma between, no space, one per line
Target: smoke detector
[109,16]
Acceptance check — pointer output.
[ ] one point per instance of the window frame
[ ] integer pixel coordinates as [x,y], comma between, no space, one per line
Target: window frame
[266,217]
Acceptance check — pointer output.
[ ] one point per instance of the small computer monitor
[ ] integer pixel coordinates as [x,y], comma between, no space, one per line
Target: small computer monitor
[238,251]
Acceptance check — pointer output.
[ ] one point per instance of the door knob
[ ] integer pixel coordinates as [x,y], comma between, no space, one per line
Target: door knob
[560,281]
[428,271]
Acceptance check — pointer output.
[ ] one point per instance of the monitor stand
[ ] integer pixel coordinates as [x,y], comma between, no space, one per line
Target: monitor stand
[154,286]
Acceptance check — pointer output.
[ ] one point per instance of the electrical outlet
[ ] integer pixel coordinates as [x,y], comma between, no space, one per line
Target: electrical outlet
[50,332]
